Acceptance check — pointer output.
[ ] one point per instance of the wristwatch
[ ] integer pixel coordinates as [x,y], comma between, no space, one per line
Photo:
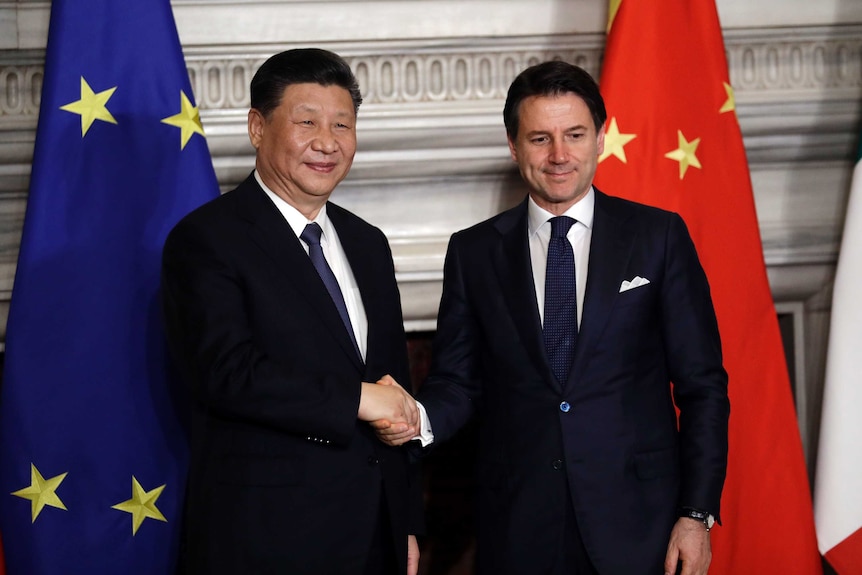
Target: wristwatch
[704,517]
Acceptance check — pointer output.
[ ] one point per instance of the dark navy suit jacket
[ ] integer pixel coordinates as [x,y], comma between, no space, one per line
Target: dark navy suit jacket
[616,453]
[284,478]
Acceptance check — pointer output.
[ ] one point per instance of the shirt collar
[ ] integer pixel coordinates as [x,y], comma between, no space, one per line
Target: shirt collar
[582,211]
[294,217]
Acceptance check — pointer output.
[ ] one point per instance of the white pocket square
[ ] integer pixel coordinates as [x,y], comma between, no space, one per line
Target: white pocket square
[635,283]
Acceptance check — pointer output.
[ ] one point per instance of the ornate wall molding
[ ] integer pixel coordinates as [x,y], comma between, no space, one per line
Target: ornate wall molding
[774,71]
[431,135]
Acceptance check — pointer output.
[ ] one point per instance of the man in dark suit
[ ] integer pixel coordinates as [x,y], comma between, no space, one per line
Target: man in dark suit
[284,313]
[562,324]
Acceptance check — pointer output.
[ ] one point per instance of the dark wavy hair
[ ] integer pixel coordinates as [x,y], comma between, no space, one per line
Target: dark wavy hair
[552,79]
[300,66]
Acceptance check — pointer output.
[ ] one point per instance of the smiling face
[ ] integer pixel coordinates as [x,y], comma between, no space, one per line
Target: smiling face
[557,149]
[306,145]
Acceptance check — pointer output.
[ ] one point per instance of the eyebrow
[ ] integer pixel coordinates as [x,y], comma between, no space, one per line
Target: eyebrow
[313,108]
[570,129]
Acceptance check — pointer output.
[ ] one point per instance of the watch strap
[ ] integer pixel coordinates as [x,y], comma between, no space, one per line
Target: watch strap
[704,517]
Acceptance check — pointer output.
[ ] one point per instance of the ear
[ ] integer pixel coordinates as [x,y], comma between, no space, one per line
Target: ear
[600,140]
[512,149]
[256,124]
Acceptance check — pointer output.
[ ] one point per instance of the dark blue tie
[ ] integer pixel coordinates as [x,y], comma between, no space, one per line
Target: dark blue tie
[560,328]
[311,236]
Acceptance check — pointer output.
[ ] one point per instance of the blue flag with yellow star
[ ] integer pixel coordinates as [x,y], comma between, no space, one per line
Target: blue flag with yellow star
[92,445]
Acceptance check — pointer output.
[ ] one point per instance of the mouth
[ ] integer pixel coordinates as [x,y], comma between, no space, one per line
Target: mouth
[322,167]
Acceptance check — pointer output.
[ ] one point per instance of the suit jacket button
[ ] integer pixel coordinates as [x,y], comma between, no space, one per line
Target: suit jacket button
[372,460]
[565,407]
[557,464]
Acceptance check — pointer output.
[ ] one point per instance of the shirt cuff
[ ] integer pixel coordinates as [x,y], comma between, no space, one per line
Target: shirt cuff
[426,435]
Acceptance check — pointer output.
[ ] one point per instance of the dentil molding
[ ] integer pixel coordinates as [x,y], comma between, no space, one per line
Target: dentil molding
[431,140]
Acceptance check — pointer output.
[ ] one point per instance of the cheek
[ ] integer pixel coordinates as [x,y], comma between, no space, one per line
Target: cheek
[347,143]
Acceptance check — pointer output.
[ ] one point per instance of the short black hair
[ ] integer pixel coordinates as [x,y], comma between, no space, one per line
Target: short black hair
[300,66]
[552,78]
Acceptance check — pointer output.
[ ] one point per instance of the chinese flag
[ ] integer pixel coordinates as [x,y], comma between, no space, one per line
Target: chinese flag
[673,141]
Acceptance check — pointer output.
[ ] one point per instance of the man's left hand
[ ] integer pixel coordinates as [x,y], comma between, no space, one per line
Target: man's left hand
[689,543]
[412,555]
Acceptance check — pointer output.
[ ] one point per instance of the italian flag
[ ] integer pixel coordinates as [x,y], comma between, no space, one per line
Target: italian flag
[838,484]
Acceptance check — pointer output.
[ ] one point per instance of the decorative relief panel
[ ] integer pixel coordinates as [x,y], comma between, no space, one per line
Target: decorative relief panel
[20,90]
[827,60]
[431,132]
[764,65]
[403,74]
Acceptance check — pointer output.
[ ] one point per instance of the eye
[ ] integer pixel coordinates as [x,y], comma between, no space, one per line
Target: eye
[539,140]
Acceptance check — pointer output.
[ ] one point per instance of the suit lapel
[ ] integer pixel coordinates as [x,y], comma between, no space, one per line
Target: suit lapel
[360,259]
[515,272]
[273,235]
[610,249]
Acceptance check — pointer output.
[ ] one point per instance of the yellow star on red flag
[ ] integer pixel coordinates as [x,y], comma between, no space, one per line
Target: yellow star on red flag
[41,492]
[729,104]
[684,154]
[615,142]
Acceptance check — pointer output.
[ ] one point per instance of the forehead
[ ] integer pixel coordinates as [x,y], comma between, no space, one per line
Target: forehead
[565,111]
[317,97]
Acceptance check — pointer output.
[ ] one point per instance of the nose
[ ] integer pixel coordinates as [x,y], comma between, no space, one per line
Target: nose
[324,141]
[558,153]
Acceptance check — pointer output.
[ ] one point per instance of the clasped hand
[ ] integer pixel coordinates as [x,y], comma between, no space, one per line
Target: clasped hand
[386,401]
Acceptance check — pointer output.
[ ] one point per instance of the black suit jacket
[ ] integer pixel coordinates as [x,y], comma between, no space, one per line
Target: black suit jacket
[615,453]
[284,478]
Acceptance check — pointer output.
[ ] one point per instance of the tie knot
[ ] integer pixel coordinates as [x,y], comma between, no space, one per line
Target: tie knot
[311,234]
[560,226]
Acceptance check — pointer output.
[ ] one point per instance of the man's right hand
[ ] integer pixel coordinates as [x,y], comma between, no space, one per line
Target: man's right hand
[388,401]
[393,432]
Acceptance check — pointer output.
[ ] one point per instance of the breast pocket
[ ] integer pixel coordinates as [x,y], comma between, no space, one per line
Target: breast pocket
[641,295]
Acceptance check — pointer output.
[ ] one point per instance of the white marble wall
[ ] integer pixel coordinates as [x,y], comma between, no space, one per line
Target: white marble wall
[432,155]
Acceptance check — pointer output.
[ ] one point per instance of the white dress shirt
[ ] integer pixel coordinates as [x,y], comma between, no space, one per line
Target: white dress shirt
[333,251]
[580,235]
[539,235]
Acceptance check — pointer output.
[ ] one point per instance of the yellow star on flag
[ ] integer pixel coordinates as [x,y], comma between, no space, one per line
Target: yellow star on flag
[729,104]
[685,154]
[615,142]
[41,492]
[91,106]
[188,120]
[613,8]
[142,505]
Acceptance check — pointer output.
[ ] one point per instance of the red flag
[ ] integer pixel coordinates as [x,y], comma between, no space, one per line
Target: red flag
[673,141]
[2,560]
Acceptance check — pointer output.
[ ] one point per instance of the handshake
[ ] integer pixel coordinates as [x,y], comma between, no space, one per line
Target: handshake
[390,410]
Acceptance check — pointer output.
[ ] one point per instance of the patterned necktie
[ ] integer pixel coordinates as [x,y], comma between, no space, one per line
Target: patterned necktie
[311,236]
[560,328]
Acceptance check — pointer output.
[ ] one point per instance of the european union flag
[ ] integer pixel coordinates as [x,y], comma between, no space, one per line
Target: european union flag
[92,446]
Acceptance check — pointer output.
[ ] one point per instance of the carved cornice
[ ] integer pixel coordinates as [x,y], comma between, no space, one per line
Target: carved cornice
[773,65]
[431,133]
[787,81]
